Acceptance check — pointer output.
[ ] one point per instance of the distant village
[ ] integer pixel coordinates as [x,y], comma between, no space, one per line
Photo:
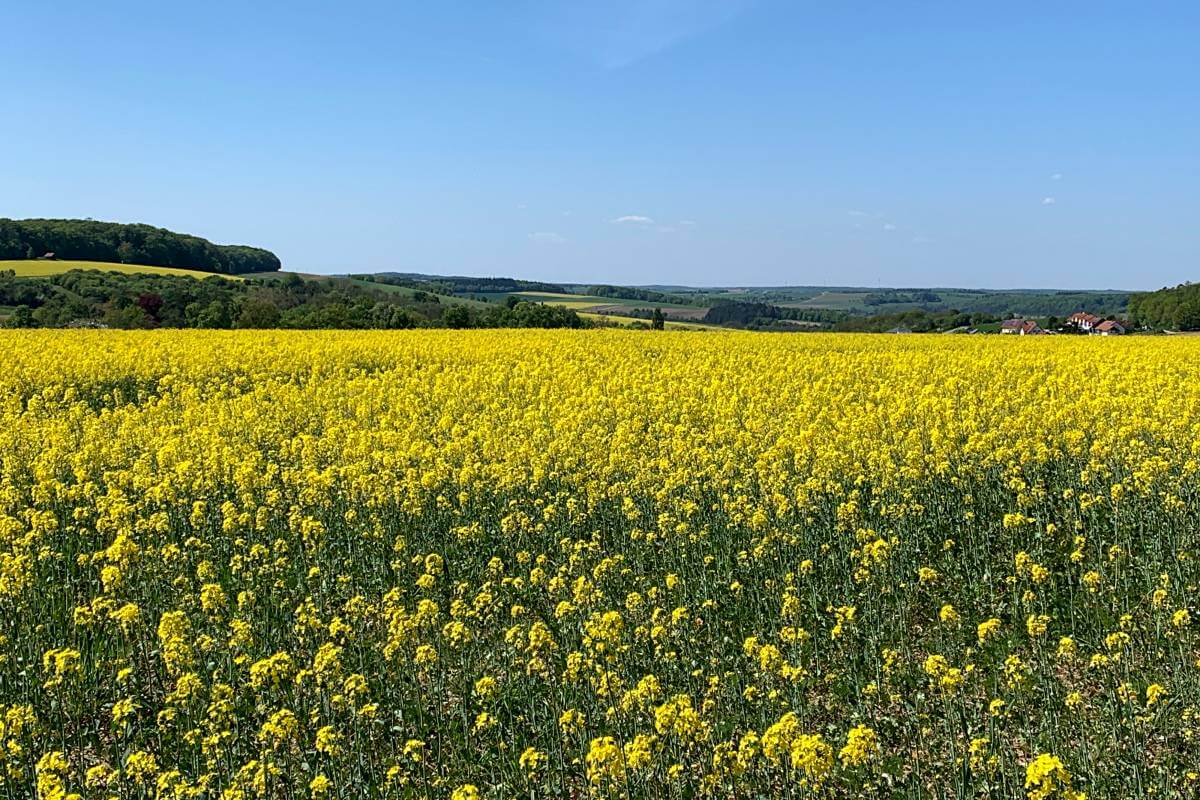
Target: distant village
[1080,321]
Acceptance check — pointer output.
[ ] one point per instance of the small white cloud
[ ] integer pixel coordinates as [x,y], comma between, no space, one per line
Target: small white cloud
[547,238]
[1056,176]
[687,222]
[633,219]
[887,226]
[1048,201]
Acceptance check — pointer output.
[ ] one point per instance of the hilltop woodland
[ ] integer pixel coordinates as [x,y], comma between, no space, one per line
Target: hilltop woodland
[1176,309]
[764,316]
[88,240]
[94,298]
[458,284]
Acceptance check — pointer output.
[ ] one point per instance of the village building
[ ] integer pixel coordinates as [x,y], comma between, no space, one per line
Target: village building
[1084,321]
[1021,327]
[1090,323]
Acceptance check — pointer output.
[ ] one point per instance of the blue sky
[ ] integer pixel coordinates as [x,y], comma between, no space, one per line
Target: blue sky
[728,142]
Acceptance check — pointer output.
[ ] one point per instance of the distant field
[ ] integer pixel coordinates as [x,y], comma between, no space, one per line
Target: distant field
[578,301]
[408,291]
[674,312]
[670,324]
[41,269]
[608,309]
[575,301]
[834,301]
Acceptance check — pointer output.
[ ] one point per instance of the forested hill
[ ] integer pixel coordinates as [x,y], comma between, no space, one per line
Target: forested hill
[88,240]
[1177,308]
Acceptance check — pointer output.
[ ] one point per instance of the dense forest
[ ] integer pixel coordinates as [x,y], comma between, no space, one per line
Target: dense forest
[916,321]
[459,284]
[764,316]
[633,293]
[88,240]
[1175,308]
[1034,304]
[85,298]
[911,296]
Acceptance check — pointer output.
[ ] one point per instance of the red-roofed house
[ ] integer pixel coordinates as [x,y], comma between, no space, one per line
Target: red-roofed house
[1021,327]
[1109,327]
[1084,321]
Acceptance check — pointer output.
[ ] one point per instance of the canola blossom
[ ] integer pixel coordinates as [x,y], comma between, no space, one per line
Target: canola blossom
[499,564]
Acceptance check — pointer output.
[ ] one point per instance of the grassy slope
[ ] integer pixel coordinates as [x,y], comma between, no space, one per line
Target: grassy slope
[408,291]
[41,269]
[833,301]
[670,324]
[582,301]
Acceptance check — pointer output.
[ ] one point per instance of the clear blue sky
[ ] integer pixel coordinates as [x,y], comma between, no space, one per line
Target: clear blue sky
[727,142]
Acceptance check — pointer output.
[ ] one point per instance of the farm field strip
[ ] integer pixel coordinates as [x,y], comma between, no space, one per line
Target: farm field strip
[577,301]
[39,268]
[669,324]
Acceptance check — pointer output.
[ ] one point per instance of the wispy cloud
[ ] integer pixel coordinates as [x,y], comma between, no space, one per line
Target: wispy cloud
[887,226]
[921,240]
[547,238]
[1056,176]
[618,33]
[688,223]
[854,212]
[1048,201]
[632,219]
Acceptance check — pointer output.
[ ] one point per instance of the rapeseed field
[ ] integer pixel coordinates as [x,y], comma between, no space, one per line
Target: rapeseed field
[520,564]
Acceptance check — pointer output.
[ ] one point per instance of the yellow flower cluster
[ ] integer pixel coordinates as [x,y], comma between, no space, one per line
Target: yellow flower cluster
[487,564]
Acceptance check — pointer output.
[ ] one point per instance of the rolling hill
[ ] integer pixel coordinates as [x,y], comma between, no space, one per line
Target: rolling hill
[37,268]
[137,243]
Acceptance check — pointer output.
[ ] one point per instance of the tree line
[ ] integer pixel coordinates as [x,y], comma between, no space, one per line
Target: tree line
[917,320]
[93,298]
[902,296]
[759,316]
[634,293]
[1176,308]
[89,240]
[459,284]
[1034,304]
